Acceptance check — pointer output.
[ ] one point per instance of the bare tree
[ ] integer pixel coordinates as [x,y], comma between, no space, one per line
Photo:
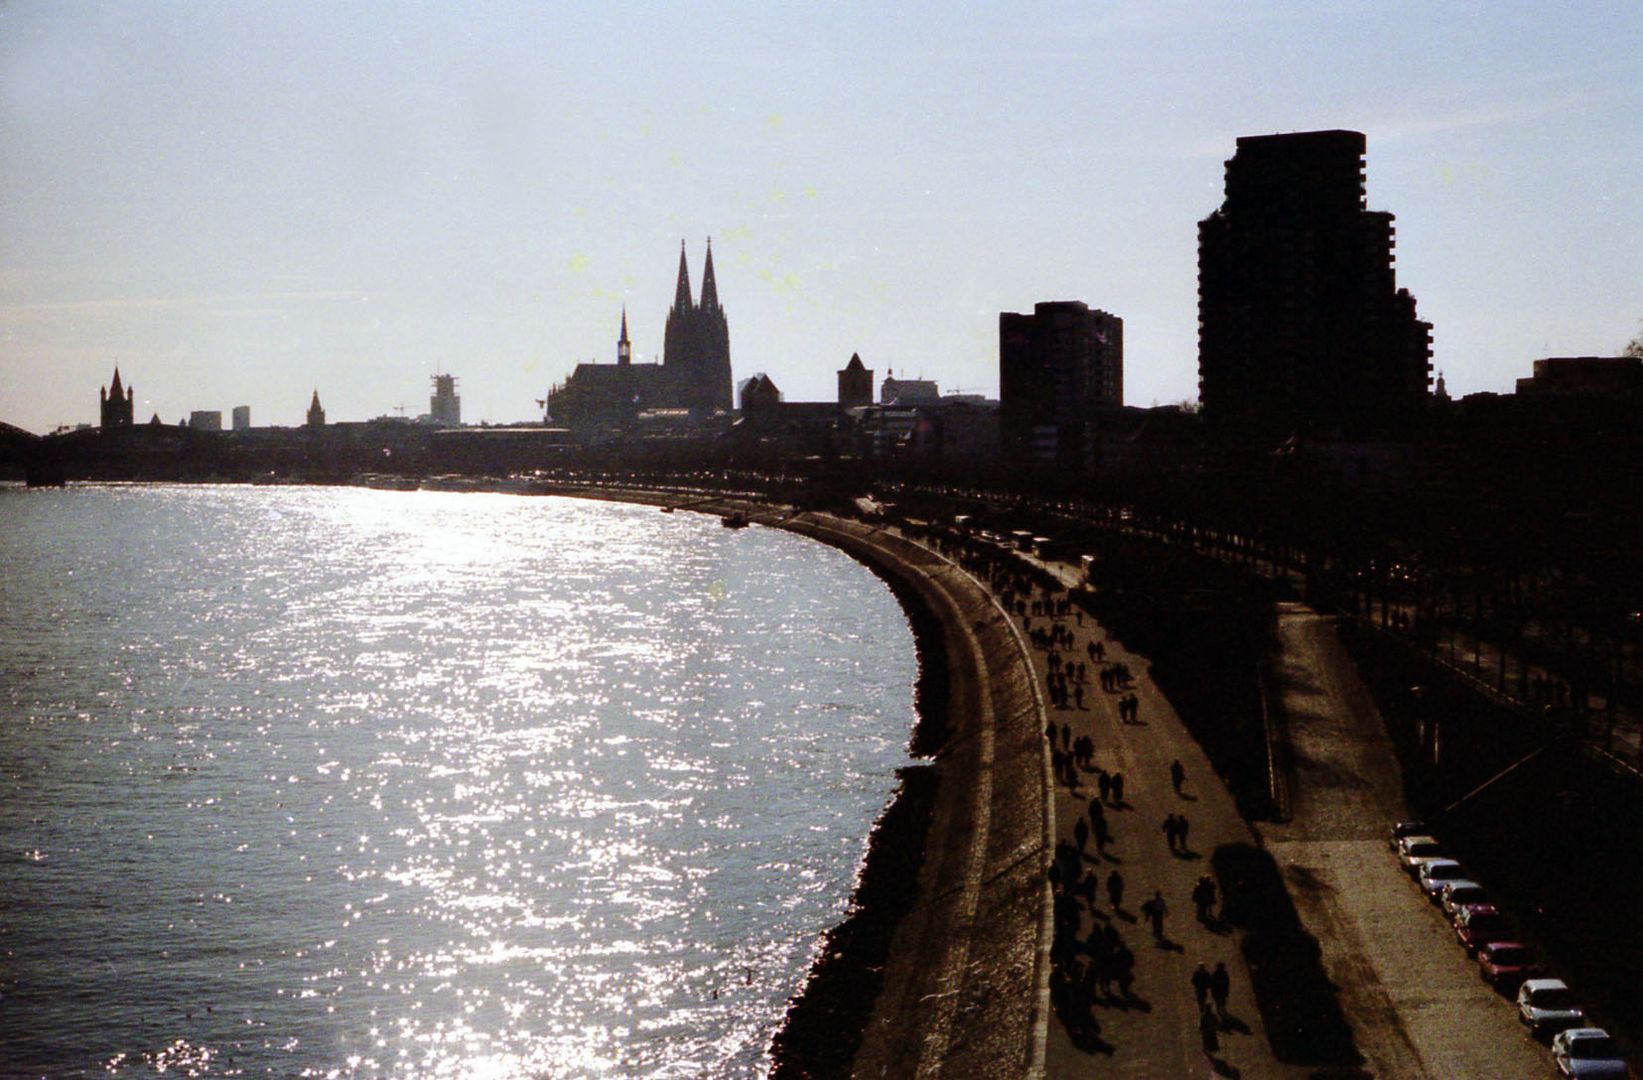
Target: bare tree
[1634,347]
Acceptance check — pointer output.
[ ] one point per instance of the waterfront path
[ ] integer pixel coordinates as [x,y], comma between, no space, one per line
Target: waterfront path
[1154,1032]
[963,986]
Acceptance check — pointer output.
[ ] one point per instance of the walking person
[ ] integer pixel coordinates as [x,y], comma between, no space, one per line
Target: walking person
[1115,890]
[1181,826]
[1203,898]
[1220,985]
[1201,980]
[1123,968]
[1118,789]
[1169,831]
[1155,910]
[1177,774]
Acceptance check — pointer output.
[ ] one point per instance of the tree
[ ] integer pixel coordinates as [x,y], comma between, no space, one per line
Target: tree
[1634,347]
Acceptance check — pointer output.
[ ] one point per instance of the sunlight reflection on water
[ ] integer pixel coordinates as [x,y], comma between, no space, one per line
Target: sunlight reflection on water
[342,782]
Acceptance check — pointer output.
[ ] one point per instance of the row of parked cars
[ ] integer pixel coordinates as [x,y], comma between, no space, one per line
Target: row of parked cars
[1546,1006]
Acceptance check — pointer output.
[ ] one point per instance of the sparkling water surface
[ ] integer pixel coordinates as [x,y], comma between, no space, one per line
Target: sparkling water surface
[342,782]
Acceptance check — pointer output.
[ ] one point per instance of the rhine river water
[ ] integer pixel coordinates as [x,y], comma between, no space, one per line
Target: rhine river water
[341,782]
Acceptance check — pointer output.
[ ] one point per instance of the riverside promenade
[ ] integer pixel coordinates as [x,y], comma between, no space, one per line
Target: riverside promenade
[956,980]
[966,987]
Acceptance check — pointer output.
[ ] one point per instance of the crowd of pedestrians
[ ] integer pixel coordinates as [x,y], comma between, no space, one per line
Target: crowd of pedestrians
[1093,966]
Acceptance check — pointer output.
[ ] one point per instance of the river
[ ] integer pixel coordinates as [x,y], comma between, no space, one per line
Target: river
[335,782]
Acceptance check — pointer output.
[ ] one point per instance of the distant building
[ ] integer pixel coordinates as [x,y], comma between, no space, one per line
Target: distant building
[1301,323]
[761,401]
[445,408]
[242,418]
[696,343]
[1059,370]
[116,404]
[855,384]
[607,395]
[908,392]
[694,374]
[1584,376]
[205,420]
[316,414]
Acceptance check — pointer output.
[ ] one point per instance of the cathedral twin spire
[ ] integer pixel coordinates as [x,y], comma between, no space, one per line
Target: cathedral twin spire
[710,286]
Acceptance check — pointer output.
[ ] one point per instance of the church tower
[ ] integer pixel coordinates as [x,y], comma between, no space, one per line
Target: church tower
[624,349]
[855,383]
[116,404]
[696,343]
[316,415]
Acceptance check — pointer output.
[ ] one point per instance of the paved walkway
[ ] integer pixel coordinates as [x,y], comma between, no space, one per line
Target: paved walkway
[1154,1033]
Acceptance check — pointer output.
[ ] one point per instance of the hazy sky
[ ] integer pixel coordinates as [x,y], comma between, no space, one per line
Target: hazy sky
[239,203]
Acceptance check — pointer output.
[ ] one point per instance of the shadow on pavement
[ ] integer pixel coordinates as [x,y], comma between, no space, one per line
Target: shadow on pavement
[1298,1004]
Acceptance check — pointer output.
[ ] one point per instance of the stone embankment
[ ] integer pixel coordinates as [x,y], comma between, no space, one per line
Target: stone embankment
[962,990]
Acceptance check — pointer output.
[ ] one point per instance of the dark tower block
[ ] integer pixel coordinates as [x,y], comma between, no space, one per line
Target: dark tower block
[855,383]
[1060,370]
[696,344]
[1301,323]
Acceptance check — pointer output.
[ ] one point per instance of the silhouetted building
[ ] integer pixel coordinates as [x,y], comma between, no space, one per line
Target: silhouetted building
[1059,370]
[694,374]
[1584,376]
[316,415]
[445,408]
[908,392]
[696,343]
[761,401]
[115,403]
[855,384]
[242,418]
[205,420]
[1301,322]
[608,395]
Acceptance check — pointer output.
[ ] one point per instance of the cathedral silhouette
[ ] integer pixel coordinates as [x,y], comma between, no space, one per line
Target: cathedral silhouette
[694,374]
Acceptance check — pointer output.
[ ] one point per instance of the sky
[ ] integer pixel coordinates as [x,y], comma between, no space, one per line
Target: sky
[240,204]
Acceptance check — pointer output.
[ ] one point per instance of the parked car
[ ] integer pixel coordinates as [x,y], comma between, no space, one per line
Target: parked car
[1436,873]
[1505,964]
[1589,1054]
[1547,1006]
[1415,850]
[1457,896]
[1402,829]
[1478,925]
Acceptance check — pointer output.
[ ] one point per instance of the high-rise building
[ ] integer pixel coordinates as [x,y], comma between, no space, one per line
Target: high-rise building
[116,404]
[1301,325]
[1059,370]
[242,418]
[696,343]
[855,384]
[445,407]
[205,420]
